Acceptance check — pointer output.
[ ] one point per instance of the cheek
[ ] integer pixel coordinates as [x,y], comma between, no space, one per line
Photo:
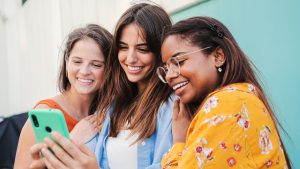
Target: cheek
[100,74]
[122,56]
[71,69]
[148,59]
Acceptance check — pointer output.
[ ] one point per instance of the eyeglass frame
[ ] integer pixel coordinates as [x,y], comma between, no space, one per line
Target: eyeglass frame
[177,64]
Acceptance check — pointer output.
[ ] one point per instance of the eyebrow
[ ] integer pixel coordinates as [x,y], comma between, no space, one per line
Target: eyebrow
[178,54]
[101,61]
[77,57]
[140,44]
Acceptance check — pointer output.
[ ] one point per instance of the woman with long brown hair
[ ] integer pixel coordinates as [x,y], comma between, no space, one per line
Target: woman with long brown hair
[222,119]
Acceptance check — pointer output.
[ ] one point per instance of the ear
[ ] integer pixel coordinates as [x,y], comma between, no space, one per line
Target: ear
[219,57]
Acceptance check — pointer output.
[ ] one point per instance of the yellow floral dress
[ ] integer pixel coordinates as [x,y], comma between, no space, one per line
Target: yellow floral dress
[233,129]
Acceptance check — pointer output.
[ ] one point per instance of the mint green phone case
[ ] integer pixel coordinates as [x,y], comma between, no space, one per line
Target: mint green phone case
[43,121]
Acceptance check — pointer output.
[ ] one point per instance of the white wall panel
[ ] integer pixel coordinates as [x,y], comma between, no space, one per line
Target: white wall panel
[31,39]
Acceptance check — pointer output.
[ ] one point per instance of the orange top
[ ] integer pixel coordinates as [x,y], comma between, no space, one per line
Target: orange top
[71,122]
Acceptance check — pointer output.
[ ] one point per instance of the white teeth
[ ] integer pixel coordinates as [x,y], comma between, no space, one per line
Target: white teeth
[179,85]
[85,80]
[134,68]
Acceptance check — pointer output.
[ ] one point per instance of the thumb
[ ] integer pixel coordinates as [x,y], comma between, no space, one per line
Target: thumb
[176,109]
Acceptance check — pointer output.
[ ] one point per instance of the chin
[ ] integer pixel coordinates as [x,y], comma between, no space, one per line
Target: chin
[86,91]
[185,99]
[134,79]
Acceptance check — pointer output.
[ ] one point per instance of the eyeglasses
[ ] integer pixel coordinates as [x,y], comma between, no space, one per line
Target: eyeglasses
[173,66]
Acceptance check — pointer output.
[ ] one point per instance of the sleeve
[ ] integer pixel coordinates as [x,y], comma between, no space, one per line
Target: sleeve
[163,139]
[226,133]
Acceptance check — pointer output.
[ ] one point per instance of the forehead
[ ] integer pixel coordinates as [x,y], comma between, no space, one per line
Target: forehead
[132,34]
[87,48]
[174,44]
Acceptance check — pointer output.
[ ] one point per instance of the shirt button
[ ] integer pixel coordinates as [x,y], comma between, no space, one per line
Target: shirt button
[143,143]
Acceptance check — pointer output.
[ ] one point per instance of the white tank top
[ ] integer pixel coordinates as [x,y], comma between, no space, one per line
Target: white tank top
[121,152]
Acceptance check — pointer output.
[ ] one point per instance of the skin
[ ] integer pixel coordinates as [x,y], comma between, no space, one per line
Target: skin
[85,68]
[134,55]
[198,73]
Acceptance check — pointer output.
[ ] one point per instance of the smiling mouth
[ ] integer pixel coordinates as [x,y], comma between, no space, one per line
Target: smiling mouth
[85,80]
[180,85]
[134,68]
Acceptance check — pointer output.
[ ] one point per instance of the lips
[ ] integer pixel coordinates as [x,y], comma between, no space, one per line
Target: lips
[85,81]
[179,87]
[134,69]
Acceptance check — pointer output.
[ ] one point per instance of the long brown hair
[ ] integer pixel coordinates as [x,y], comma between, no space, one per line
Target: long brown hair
[207,31]
[139,109]
[104,40]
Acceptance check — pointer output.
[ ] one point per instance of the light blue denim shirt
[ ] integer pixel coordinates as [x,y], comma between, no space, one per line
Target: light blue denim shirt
[150,150]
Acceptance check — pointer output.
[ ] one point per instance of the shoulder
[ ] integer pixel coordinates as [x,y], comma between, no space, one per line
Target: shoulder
[232,97]
[234,104]
[46,103]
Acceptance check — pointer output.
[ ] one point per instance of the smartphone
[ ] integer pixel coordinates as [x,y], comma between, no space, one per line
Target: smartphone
[44,121]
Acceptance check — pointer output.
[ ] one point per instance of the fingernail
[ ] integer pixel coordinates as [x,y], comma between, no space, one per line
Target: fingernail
[44,151]
[47,140]
[55,134]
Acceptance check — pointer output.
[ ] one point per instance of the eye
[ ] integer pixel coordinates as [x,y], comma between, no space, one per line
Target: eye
[76,61]
[144,49]
[122,47]
[97,65]
[181,61]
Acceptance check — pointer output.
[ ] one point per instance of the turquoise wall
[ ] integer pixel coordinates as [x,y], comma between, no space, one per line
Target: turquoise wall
[269,33]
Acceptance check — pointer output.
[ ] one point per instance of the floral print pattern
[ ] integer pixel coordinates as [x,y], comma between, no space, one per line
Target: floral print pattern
[265,143]
[243,118]
[211,103]
[232,129]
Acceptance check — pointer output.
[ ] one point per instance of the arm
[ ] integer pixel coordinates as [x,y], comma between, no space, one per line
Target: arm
[26,141]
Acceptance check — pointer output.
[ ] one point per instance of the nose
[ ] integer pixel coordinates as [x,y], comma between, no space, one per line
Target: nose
[131,56]
[171,74]
[85,69]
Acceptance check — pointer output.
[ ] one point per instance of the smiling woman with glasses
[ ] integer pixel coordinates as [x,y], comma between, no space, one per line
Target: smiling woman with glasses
[222,119]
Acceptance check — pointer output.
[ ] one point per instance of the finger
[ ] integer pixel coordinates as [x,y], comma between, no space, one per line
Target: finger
[93,119]
[51,160]
[181,109]
[66,144]
[37,164]
[48,164]
[59,152]
[35,150]
[175,109]
[98,128]
[85,149]
[88,117]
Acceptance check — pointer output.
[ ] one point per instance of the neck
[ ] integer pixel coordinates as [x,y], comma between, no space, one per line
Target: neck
[78,105]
